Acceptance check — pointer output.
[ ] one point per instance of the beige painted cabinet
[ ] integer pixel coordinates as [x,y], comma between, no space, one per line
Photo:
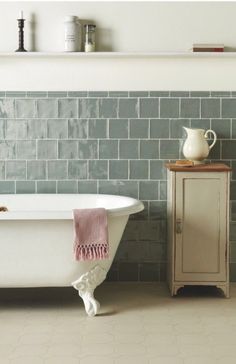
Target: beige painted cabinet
[198,205]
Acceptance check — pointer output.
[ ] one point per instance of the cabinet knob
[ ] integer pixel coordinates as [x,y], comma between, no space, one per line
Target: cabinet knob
[178,226]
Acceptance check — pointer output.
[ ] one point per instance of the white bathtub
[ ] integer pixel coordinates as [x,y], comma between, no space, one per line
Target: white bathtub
[36,241]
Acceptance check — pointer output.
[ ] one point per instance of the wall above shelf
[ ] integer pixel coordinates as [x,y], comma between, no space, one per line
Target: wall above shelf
[176,54]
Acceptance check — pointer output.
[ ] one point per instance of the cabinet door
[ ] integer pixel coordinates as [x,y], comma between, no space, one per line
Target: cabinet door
[201,236]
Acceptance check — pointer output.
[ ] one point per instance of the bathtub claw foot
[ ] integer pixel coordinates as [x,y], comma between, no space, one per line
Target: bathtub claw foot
[86,285]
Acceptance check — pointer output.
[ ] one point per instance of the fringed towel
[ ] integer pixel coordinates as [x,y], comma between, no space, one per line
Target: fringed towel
[91,234]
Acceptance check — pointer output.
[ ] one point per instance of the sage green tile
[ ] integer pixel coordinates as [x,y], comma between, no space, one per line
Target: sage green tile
[160,93]
[232,252]
[200,123]
[77,128]
[57,93]
[228,149]
[233,176]
[98,93]
[25,187]
[118,169]
[67,108]
[128,108]
[7,187]
[88,149]
[199,93]
[2,129]
[190,108]
[232,232]
[46,187]
[118,93]
[158,210]
[169,108]
[87,186]
[46,149]
[7,149]
[149,149]
[88,108]
[221,93]
[77,169]
[15,170]
[108,149]
[232,210]
[128,272]
[77,93]
[149,107]
[232,270]
[215,152]
[157,169]
[233,190]
[15,94]
[67,187]
[149,272]
[67,149]
[97,128]
[118,128]
[163,271]
[25,108]
[47,108]
[179,93]
[138,169]
[138,93]
[57,129]
[229,108]
[36,170]
[26,149]
[234,128]
[16,129]
[139,128]
[210,108]
[98,169]
[2,93]
[2,170]
[108,108]
[222,128]
[37,129]
[57,170]
[7,108]
[37,94]
[169,149]
[159,128]
[129,149]
[148,190]
[163,190]
[123,188]
[176,127]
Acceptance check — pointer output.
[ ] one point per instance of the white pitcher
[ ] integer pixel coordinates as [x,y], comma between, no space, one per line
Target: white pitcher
[196,147]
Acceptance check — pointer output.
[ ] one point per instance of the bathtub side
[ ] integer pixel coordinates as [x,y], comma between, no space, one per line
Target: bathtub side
[39,253]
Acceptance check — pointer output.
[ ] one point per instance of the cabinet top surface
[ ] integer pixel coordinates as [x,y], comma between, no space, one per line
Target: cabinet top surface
[208,167]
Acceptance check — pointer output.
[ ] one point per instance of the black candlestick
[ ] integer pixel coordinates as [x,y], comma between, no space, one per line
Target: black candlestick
[21,35]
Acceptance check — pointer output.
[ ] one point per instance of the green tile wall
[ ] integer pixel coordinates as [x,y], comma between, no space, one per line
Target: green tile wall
[113,142]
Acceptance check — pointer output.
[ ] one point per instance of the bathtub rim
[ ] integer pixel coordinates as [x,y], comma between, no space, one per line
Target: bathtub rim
[135,207]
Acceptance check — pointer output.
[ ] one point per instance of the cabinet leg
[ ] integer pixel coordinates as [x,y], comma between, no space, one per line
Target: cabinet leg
[175,289]
[224,289]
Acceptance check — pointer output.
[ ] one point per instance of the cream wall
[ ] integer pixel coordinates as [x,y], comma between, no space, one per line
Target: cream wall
[122,26]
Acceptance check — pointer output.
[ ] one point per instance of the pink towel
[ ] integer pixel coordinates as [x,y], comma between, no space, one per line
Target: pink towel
[91,234]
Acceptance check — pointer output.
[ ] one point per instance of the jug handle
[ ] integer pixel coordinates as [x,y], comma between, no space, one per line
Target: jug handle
[215,137]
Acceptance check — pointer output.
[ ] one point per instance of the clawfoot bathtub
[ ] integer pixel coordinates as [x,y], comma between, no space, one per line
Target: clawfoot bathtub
[36,241]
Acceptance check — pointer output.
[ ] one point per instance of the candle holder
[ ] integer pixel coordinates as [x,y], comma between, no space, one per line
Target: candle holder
[21,36]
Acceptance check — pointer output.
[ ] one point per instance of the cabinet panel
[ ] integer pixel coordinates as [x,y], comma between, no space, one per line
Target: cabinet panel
[201,235]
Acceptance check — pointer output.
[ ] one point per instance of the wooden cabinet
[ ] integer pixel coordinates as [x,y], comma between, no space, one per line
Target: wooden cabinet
[198,205]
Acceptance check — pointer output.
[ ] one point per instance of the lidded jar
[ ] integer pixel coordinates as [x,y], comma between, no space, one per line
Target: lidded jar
[89,44]
[73,34]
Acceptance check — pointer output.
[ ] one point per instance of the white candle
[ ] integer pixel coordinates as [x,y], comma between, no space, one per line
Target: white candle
[21,15]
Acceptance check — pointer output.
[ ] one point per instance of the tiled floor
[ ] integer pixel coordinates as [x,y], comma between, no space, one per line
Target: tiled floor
[138,324]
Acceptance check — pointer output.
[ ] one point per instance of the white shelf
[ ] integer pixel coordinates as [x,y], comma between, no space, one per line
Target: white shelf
[176,54]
